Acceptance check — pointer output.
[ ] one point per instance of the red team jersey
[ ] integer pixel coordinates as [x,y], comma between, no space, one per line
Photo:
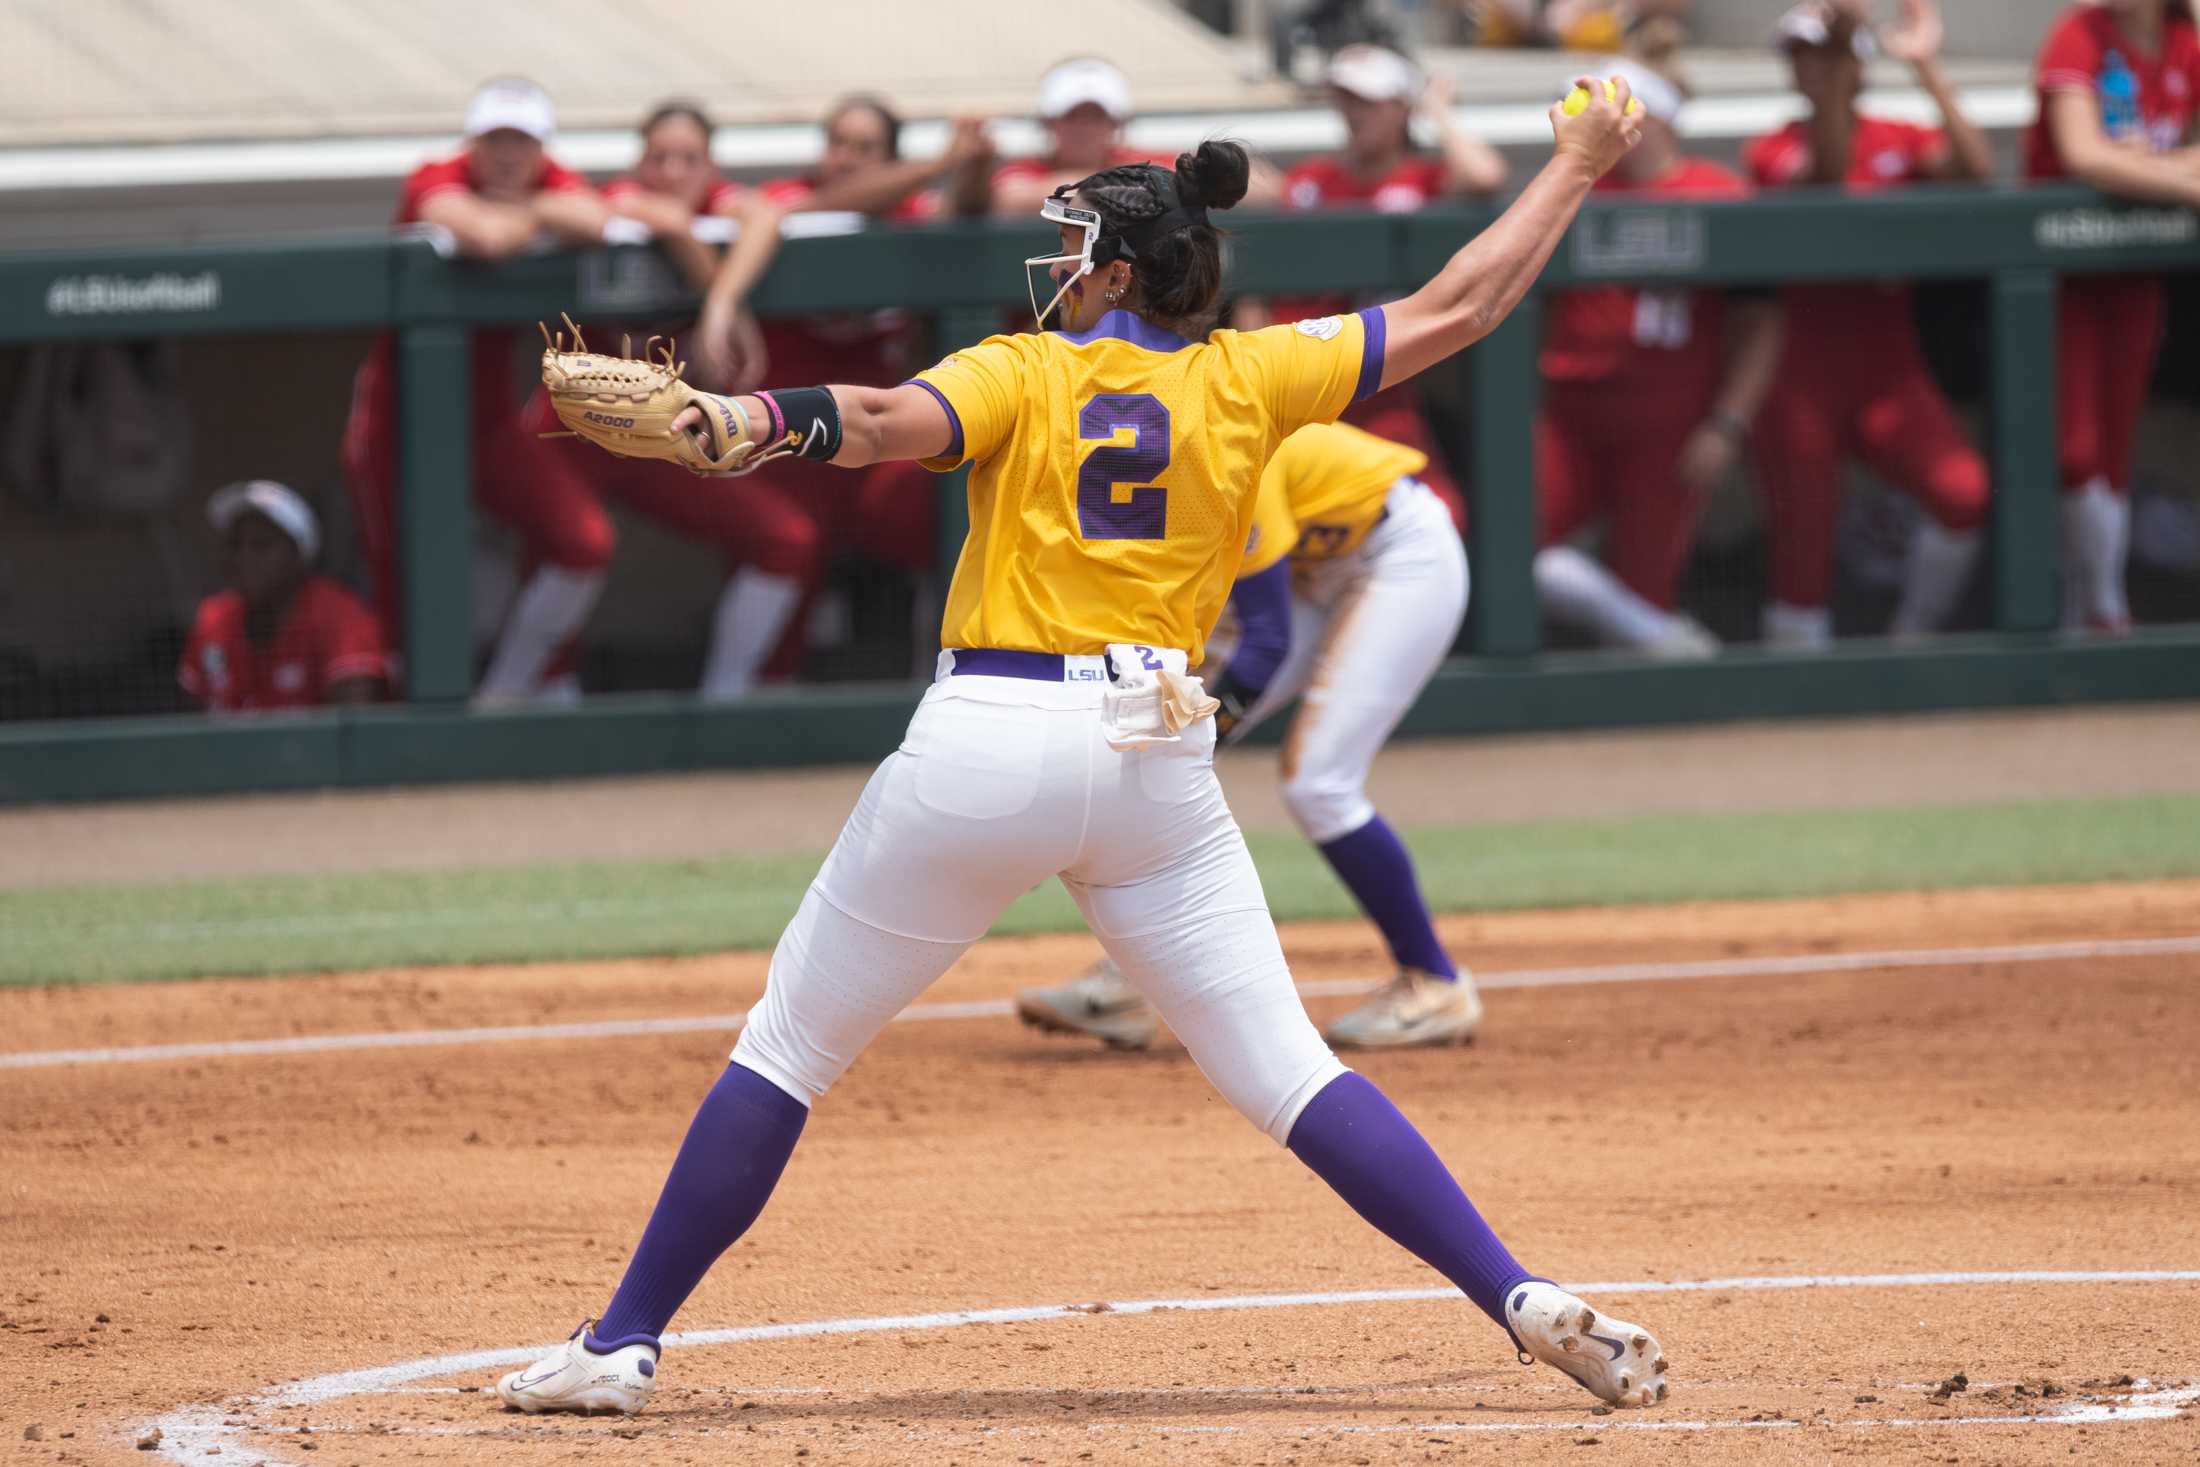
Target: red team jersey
[326,637]
[1031,170]
[2087,51]
[1882,154]
[442,175]
[1667,343]
[717,196]
[493,346]
[1327,183]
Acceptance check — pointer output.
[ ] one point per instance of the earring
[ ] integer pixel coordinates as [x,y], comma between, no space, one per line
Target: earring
[1111,297]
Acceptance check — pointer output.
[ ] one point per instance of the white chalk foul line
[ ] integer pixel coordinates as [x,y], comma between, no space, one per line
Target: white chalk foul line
[1761,967]
[189,1432]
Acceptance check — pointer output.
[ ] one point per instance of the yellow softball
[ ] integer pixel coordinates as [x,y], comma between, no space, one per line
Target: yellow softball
[1577,100]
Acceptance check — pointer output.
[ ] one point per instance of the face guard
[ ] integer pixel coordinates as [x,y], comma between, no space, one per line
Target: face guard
[1058,210]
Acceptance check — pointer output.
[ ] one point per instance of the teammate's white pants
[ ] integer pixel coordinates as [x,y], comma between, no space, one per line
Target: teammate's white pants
[999,784]
[1368,631]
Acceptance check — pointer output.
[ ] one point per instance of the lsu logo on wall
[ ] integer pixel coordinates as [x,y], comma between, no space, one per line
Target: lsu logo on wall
[1322,328]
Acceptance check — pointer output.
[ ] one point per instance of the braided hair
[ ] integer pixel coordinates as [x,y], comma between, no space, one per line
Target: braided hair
[1175,263]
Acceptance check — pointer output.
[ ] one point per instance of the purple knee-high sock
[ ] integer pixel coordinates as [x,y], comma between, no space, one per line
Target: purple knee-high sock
[1355,1140]
[735,1150]
[1373,864]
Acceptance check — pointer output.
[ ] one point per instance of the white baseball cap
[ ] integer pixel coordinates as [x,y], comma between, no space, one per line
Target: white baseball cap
[513,102]
[1809,24]
[279,502]
[1376,73]
[1083,79]
[1659,97]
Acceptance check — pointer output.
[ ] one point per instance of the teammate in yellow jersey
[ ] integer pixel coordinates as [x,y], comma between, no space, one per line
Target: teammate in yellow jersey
[1341,525]
[1116,464]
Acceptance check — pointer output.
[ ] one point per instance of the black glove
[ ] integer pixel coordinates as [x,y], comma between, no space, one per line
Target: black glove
[1235,699]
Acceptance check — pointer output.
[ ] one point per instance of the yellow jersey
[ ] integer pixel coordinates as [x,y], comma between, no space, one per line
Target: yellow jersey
[1323,491]
[1115,470]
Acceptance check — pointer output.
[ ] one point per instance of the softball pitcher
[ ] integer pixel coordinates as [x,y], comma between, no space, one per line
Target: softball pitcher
[1352,592]
[1115,466]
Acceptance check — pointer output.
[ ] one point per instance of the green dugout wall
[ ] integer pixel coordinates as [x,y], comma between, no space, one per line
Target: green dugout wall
[964,276]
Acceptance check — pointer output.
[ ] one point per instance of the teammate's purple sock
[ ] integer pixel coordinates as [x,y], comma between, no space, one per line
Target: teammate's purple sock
[735,1149]
[1357,1142]
[1373,864]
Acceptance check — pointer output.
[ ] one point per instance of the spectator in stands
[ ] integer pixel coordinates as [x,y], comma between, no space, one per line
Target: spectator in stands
[1326,27]
[1376,92]
[885,513]
[1854,383]
[492,201]
[2119,86]
[1573,25]
[1649,401]
[1084,105]
[280,636]
[862,171]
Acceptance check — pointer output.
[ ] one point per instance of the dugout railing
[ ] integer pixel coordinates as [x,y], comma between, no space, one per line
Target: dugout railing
[964,276]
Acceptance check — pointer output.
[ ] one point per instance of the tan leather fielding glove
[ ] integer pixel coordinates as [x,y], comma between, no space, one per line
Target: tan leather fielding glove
[626,405]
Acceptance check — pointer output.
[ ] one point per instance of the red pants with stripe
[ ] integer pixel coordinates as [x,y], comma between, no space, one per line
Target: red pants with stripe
[541,493]
[2110,336]
[1884,411]
[1610,451]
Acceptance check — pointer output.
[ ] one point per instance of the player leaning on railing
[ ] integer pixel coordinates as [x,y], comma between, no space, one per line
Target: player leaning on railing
[1853,381]
[1116,463]
[2119,86]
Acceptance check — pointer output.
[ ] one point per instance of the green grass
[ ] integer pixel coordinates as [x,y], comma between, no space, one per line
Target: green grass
[112,933]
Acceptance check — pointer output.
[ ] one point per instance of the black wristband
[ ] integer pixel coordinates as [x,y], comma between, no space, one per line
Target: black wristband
[810,417]
[1729,425]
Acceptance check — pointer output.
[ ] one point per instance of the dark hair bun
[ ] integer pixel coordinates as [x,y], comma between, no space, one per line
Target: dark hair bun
[1214,177]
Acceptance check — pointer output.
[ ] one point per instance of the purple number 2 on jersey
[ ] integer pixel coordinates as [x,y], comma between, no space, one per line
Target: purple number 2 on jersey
[1145,516]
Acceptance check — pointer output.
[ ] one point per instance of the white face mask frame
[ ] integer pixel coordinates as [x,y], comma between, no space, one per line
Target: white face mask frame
[1060,211]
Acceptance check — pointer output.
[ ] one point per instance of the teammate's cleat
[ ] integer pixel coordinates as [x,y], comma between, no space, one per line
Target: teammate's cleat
[586,1374]
[1099,1001]
[1414,1008]
[1620,1364]
[1684,639]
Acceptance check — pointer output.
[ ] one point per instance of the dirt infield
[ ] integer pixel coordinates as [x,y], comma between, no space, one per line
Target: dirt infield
[1797,1173]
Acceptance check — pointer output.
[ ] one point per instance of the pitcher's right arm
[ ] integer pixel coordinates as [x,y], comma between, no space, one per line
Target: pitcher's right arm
[1483,282]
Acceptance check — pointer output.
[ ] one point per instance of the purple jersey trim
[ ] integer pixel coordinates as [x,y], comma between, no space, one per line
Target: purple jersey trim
[954,419]
[1371,354]
[1130,327]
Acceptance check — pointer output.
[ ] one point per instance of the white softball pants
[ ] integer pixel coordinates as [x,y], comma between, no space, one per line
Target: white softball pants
[999,784]
[1368,631]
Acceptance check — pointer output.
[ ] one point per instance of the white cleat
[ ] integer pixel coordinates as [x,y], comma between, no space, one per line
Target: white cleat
[1621,1364]
[1684,639]
[1099,1002]
[586,1375]
[1414,1008]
